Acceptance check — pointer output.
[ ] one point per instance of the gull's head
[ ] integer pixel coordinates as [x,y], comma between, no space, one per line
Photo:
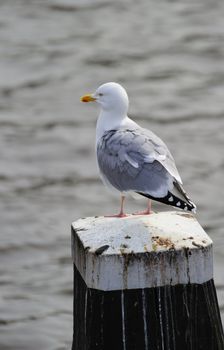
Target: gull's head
[111,97]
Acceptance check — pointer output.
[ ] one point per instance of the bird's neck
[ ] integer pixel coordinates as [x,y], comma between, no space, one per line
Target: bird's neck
[109,121]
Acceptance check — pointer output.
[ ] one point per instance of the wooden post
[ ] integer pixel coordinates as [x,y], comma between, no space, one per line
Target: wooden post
[144,283]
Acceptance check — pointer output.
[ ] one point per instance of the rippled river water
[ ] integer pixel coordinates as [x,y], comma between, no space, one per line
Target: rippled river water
[169,55]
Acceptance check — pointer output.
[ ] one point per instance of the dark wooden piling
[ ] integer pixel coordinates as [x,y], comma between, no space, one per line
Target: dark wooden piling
[144,283]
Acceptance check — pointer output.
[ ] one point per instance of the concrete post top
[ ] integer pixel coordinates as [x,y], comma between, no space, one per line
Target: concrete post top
[138,234]
[162,248]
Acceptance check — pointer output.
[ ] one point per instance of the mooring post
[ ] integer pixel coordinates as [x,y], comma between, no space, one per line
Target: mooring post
[144,283]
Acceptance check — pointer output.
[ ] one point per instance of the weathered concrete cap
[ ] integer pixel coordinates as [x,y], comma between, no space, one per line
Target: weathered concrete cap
[166,248]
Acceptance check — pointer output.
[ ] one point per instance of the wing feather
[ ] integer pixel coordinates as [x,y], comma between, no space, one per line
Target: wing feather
[134,160]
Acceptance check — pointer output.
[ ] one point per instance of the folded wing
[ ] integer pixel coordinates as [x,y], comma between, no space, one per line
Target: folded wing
[137,160]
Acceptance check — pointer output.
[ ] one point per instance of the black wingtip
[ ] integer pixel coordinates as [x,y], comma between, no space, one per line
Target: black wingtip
[174,201]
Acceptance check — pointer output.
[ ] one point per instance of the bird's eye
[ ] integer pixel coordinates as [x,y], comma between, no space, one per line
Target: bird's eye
[100,94]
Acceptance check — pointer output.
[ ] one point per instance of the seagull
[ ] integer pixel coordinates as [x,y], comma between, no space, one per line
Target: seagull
[131,158]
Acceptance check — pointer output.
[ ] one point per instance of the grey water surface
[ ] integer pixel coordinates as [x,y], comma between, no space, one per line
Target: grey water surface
[170,57]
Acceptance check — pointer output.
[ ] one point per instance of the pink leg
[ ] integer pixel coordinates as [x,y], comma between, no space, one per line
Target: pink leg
[148,211]
[121,214]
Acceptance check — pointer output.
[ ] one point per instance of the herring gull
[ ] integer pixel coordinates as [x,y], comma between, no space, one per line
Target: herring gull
[131,158]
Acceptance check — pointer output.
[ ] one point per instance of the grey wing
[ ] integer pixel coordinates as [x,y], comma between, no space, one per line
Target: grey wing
[132,160]
[161,148]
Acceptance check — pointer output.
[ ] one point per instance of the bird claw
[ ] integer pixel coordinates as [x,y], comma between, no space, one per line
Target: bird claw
[144,212]
[120,215]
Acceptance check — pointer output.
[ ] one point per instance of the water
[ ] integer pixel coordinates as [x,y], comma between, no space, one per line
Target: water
[169,55]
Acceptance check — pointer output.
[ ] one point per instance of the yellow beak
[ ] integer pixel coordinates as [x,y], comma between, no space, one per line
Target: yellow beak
[87,98]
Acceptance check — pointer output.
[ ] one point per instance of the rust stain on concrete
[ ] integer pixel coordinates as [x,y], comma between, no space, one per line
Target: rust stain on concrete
[164,242]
